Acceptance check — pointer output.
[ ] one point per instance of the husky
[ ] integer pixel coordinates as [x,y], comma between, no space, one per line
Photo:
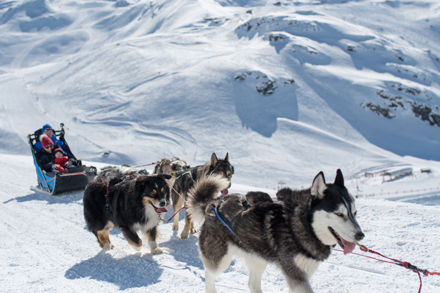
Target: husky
[170,165]
[296,234]
[125,171]
[185,180]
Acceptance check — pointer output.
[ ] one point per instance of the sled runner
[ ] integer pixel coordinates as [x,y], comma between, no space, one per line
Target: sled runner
[54,182]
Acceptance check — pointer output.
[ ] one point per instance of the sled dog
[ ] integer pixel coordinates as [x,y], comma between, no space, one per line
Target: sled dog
[125,171]
[296,234]
[132,205]
[185,180]
[170,165]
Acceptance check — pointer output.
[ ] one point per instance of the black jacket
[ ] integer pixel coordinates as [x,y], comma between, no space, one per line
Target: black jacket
[46,159]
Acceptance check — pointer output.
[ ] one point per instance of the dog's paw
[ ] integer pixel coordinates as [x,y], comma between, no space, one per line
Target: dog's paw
[108,246]
[193,230]
[184,234]
[176,226]
[158,250]
[137,248]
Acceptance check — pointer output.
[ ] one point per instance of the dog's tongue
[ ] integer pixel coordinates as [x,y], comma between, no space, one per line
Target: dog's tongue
[348,246]
[224,192]
[162,210]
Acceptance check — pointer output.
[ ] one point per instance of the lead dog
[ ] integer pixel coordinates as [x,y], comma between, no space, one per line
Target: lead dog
[185,180]
[132,205]
[296,234]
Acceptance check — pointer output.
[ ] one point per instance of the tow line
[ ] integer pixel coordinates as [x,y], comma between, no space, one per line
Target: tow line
[404,264]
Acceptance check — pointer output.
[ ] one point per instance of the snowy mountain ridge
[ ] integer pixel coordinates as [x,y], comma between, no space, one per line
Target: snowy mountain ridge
[157,78]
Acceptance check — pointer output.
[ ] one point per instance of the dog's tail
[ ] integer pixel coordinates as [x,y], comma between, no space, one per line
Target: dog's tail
[204,191]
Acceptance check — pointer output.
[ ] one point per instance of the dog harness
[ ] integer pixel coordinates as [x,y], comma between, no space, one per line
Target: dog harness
[217,213]
[186,173]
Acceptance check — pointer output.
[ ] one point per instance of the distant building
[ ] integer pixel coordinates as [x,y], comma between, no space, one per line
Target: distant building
[396,174]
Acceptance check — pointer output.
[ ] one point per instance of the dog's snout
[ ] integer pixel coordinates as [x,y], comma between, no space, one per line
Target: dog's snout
[359,236]
[162,203]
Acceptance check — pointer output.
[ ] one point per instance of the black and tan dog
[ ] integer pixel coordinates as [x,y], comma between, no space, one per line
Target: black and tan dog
[132,205]
[185,180]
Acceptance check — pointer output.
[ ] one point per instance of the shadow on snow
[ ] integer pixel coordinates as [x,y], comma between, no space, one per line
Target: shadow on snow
[131,271]
[63,198]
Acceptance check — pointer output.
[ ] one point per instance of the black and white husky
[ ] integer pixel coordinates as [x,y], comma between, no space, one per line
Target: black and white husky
[296,234]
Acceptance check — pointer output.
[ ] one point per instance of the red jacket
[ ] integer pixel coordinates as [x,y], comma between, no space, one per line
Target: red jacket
[61,162]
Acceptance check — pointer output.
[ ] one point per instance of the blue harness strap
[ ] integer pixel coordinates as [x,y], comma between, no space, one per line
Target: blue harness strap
[224,223]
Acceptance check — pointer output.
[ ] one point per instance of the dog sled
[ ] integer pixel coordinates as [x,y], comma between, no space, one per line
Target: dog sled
[53,183]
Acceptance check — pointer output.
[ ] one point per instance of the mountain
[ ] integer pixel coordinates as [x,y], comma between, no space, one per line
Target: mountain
[277,85]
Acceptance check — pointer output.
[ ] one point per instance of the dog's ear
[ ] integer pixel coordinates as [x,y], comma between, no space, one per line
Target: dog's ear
[140,184]
[227,157]
[339,180]
[318,186]
[214,159]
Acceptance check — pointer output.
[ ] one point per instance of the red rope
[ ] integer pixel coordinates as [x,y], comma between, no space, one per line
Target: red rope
[404,264]
[173,215]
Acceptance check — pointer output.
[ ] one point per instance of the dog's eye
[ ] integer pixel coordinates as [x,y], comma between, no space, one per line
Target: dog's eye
[339,215]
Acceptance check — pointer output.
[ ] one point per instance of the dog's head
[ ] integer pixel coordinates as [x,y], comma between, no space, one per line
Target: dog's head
[334,213]
[154,191]
[171,165]
[220,167]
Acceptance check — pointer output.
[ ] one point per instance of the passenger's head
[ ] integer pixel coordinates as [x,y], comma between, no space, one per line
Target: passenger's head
[59,153]
[47,144]
[48,130]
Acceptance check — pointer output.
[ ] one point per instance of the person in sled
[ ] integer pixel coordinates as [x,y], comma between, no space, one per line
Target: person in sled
[62,160]
[46,155]
[48,131]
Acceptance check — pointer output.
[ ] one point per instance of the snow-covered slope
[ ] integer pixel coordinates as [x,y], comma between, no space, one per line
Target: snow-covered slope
[278,85]
[45,246]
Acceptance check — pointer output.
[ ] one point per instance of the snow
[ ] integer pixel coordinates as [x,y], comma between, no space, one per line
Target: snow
[282,88]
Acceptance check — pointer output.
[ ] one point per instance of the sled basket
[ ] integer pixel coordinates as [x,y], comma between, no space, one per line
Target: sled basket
[53,183]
